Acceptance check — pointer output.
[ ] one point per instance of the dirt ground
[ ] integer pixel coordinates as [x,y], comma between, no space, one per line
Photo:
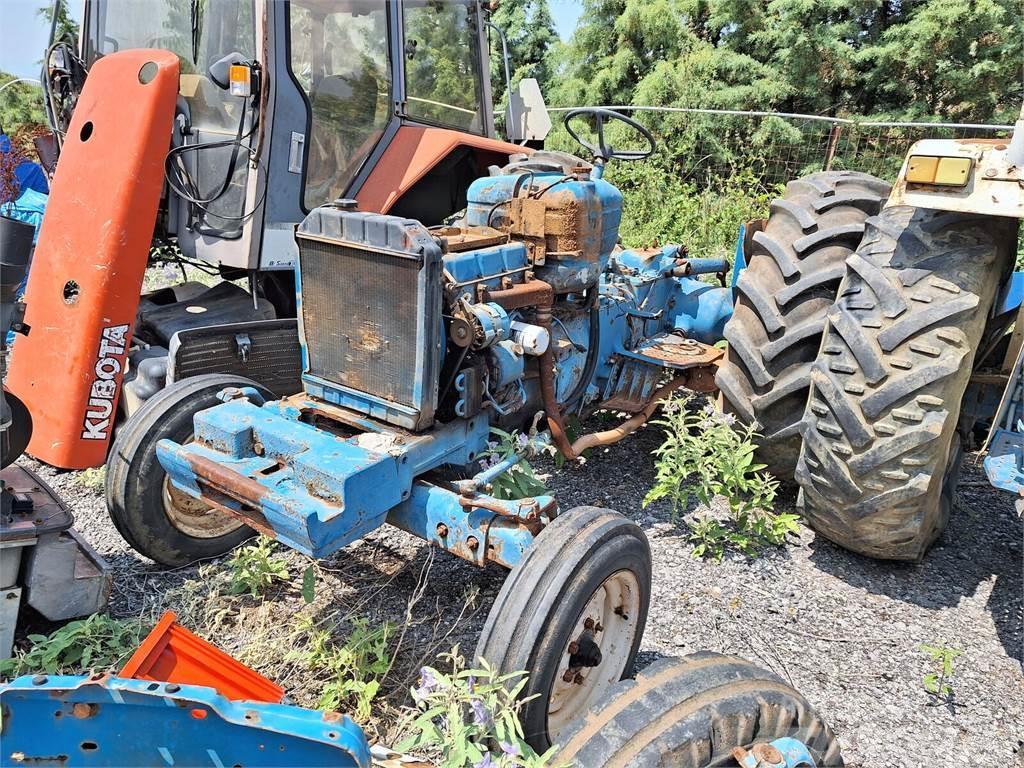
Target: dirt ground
[844,629]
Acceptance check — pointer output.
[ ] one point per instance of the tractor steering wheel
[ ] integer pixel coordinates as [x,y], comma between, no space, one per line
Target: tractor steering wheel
[603,150]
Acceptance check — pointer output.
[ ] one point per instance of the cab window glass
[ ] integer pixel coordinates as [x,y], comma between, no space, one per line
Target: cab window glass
[442,63]
[339,57]
[199,33]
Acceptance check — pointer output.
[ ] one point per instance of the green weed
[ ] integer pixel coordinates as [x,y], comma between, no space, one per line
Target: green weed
[92,479]
[519,482]
[253,568]
[705,455]
[354,669]
[471,716]
[98,642]
[939,682]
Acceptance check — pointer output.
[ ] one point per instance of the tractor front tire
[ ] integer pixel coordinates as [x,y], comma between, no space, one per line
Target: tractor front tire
[881,450]
[154,517]
[572,613]
[795,267]
[691,713]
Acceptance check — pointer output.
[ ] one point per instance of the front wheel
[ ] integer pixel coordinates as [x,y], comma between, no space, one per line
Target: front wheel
[158,520]
[696,712]
[571,615]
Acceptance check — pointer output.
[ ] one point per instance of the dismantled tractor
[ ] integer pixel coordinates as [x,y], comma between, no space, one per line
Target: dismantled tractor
[416,342]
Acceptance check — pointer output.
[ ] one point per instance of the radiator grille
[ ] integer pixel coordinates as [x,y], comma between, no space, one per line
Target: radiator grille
[360,319]
[269,355]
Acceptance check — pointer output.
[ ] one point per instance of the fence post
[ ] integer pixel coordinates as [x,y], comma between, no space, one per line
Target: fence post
[832,146]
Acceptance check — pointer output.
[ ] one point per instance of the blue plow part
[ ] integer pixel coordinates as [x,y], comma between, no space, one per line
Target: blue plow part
[793,754]
[740,262]
[318,491]
[111,721]
[1004,463]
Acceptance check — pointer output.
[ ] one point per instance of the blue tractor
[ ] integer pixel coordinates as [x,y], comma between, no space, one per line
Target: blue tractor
[416,342]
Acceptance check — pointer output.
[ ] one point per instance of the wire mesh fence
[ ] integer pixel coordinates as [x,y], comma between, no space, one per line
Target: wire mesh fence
[707,144]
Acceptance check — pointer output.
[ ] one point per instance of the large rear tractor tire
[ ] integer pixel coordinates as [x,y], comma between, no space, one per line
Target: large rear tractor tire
[881,450]
[692,713]
[795,267]
[154,517]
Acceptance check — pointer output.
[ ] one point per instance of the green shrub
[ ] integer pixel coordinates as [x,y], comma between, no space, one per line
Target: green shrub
[354,669]
[706,456]
[98,642]
[253,568]
[471,716]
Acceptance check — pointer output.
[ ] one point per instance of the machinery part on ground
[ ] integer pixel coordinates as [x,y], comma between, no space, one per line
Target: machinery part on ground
[691,712]
[42,558]
[65,720]
[794,267]
[881,449]
[156,518]
[172,654]
[603,151]
[572,613]
[81,309]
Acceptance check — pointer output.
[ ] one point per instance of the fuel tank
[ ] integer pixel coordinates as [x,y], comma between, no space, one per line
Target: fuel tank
[569,223]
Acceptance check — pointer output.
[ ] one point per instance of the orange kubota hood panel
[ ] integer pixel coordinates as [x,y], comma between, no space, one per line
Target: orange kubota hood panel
[413,152]
[83,288]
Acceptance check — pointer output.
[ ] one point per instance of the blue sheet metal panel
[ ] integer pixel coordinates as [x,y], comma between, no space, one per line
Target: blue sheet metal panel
[477,265]
[1011,296]
[79,721]
[436,515]
[1004,463]
[699,310]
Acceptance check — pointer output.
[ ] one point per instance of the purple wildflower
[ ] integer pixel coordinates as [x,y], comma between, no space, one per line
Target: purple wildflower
[480,714]
[487,762]
[509,749]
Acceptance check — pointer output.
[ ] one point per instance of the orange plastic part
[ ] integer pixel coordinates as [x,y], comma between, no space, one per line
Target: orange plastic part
[172,654]
[86,277]
[413,152]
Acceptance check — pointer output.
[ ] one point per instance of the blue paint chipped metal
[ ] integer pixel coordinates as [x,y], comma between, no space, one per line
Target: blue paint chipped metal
[117,722]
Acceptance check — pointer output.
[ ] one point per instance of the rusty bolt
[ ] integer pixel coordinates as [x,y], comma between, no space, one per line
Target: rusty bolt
[473,543]
[568,676]
[81,710]
[766,753]
[990,172]
[621,611]
[574,648]
[257,448]
[599,627]
[442,530]
[589,623]
[578,679]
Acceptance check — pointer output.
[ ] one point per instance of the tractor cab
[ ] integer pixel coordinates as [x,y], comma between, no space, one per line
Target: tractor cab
[285,106]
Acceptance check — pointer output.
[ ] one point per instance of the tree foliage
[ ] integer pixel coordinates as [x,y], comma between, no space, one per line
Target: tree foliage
[903,59]
[21,105]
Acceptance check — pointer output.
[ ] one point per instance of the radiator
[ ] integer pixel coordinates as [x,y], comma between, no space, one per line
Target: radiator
[371,303]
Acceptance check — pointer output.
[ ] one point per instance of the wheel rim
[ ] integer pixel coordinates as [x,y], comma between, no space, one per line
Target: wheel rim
[610,622]
[194,517]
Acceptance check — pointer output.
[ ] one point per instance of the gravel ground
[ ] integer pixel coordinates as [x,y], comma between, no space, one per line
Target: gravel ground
[844,629]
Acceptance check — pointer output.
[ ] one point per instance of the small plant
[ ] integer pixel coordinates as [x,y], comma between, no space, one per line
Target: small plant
[705,448]
[92,479]
[520,481]
[254,568]
[939,682]
[354,669]
[98,642]
[471,716]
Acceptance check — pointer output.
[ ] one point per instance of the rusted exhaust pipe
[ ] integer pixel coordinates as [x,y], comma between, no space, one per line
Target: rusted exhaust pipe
[630,425]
